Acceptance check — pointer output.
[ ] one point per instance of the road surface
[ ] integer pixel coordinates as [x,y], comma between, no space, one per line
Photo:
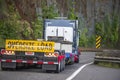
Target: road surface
[89,72]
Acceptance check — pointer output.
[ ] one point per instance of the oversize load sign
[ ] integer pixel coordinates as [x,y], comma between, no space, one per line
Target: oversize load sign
[30,45]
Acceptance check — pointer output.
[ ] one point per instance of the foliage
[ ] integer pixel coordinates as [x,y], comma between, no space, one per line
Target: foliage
[48,11]
[10,25]
[91,41]
[13,27]
[71,14]
[108,29]
[83,38]
[109,64]
[25,30]
[38,29]
[8,29]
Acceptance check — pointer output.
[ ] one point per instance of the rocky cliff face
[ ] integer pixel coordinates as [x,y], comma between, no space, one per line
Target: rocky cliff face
[89,11]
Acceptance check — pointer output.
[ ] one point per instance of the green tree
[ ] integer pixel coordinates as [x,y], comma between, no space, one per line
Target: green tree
[108,29]
[83,38]
[48,11]
[38,28]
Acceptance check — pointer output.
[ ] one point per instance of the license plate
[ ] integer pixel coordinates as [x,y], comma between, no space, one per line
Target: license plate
[29,53]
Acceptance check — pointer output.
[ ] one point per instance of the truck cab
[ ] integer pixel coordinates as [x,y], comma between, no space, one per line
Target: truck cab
[66,32]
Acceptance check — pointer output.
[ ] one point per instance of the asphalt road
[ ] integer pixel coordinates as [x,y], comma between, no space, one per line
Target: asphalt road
[90,72]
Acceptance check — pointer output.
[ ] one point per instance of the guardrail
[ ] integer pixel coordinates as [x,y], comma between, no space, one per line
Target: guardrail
[106,59]
[112,56]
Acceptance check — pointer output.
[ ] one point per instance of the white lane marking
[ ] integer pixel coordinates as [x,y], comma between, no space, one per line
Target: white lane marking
[78,70]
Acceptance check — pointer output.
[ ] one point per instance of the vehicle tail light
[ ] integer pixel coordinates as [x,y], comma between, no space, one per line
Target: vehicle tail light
[3,51]
[7,52]
[55,54]
[29,53]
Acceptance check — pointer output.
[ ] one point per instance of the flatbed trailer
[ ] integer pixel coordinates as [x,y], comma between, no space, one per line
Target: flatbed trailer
[18,54]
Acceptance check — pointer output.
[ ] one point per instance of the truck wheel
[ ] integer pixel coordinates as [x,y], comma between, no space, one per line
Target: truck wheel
[58,68]
[71,60]
[63,64]
[2,68]
[78,60]
[48,71]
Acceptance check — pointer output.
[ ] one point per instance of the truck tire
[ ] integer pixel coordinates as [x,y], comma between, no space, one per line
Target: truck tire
[58,69]
[71,60]
[63,64]
[78,60]
[48,71]
[3,69]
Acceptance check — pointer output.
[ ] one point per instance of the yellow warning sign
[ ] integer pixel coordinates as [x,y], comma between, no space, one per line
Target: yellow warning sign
[30,45]
[98,41]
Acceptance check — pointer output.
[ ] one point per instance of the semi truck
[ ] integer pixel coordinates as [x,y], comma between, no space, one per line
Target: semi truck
[58,47]
[66,32]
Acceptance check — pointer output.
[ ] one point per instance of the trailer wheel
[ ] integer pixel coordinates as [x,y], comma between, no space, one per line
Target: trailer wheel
[2,68]
[78,60]
[63,64]
[58,69]
[71,60]
[48,71]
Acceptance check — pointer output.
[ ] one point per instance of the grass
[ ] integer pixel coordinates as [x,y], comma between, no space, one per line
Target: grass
[109,64]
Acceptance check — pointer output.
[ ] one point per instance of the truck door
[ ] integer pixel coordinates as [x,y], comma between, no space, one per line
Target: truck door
[68,34]
[51,31]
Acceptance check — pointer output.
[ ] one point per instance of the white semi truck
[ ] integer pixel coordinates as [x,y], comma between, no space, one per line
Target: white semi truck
[66,32]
